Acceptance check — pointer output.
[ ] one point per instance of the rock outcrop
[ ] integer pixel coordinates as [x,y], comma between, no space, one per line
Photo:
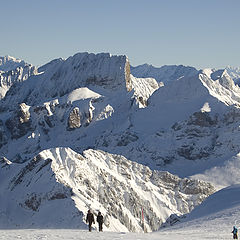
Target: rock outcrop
[74,120]
[20,123]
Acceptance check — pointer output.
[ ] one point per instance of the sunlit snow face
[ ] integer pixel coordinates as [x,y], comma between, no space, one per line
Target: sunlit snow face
[206,107]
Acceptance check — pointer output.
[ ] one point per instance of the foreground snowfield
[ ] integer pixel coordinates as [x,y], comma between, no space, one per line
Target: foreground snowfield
[213,219]
[194,232]
[199,230]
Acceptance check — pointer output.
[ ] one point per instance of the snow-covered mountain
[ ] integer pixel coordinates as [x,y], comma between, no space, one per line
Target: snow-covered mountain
[89,123]
[61,178]
[8,63]
[13,71]
[234,73]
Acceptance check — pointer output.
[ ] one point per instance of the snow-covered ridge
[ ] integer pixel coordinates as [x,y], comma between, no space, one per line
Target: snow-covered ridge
[178,100]
[8,63]
[163,74]
[234,73]
[13,71]
[119,188]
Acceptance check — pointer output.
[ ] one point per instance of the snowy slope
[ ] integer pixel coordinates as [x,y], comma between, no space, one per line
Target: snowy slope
[193,119]
[213,219]
[218,204]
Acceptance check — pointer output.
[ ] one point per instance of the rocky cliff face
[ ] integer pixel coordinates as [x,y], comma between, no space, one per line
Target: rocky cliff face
[60,77]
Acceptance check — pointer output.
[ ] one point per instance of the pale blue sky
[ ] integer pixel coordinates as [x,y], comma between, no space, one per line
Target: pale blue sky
[199,33]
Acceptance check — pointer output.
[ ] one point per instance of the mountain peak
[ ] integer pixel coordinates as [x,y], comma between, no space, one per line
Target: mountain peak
[8,63]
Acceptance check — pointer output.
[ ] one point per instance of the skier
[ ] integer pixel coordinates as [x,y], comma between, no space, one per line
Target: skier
[100,221]
[90,220]
[234,232]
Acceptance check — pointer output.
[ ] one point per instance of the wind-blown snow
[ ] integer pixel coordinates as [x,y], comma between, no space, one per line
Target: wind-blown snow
[224,174]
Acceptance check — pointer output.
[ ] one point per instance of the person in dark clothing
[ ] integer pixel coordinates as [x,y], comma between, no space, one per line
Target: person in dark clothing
[90,220]
[235,233]
[100,221]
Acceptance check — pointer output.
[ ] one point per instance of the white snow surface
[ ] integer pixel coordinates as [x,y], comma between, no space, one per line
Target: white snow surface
[81,94]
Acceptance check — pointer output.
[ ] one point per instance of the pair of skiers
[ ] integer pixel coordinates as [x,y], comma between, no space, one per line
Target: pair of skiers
[90,220]
[235,233]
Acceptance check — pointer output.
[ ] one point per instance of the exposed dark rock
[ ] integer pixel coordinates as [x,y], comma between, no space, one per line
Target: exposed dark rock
[202,119]
[127,138]
[33,202]
[176,126]
[28,168]
[173,219]
[191,152]
[20,123]
[50,120]
[231,116]
[127,76]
